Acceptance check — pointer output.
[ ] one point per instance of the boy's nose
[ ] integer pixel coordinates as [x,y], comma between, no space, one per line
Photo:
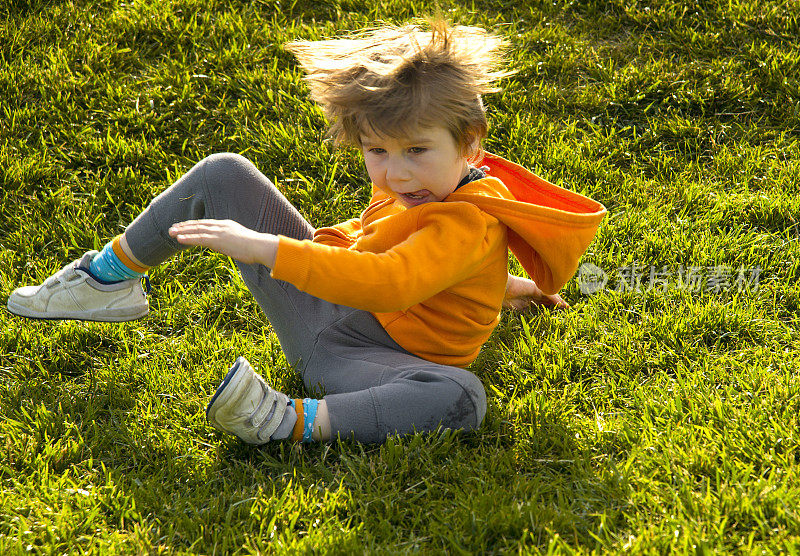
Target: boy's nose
[396,171]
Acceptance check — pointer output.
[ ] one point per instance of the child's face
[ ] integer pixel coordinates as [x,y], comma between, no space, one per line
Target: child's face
[423,167]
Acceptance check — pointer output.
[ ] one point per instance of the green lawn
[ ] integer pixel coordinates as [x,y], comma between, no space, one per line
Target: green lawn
[663,418]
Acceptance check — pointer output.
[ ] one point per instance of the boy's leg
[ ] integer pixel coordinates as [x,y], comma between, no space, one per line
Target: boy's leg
[374,388]
[228,186]
[221,186]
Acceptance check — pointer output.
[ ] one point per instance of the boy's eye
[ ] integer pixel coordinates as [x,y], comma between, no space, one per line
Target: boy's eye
[377,150]
[417,150]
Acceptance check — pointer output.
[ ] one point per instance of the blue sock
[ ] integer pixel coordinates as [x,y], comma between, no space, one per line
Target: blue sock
[108,267]
[310,412]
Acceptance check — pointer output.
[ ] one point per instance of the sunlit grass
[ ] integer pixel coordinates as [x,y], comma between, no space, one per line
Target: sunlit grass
[658,419]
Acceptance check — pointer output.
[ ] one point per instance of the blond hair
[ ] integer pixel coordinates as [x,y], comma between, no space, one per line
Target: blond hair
[391,80]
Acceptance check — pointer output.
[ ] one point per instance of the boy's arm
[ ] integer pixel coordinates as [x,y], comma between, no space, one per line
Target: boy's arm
[248,246]
[443,251]
[523,294]
[428,262]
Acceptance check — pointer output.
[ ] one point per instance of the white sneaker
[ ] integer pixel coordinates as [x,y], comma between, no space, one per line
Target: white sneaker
[245,406]
[72,293]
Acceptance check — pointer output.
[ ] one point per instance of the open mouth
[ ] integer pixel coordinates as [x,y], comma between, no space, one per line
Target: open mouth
[416,197]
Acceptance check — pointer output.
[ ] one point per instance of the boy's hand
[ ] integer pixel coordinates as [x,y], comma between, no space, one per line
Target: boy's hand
[522,294]
[229,238]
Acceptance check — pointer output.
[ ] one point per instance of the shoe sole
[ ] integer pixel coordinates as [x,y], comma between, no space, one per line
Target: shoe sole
[121,315]
[219,398]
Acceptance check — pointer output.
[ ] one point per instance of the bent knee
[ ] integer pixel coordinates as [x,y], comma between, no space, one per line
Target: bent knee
[235,188]
[228,161]
[226,171]
[467,402]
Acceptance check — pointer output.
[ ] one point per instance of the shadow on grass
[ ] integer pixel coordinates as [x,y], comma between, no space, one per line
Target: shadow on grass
[576,494]
[23,8]
[153,464]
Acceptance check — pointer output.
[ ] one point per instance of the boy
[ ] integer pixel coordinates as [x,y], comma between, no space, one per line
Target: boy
[384,311]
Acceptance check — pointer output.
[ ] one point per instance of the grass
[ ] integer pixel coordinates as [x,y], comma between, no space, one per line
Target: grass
[656,420]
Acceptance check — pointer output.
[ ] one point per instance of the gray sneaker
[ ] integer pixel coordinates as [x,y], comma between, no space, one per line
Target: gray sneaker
[73,293]
[245,406]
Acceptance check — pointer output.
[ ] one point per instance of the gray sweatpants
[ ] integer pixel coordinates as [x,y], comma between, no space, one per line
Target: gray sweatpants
[373,387]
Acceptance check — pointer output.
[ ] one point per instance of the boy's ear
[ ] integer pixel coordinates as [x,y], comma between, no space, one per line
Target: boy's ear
[471,149]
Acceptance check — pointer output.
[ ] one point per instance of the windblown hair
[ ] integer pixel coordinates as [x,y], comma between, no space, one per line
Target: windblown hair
[390,80]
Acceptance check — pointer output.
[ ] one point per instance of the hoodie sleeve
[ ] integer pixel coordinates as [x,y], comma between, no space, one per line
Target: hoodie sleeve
[449,245]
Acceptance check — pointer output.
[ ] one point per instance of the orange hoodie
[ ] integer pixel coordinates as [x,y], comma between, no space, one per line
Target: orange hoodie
[434,275]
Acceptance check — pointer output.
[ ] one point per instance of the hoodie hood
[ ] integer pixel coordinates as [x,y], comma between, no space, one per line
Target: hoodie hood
[549,227]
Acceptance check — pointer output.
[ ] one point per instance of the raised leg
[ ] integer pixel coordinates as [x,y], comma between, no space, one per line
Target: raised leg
[228,186]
